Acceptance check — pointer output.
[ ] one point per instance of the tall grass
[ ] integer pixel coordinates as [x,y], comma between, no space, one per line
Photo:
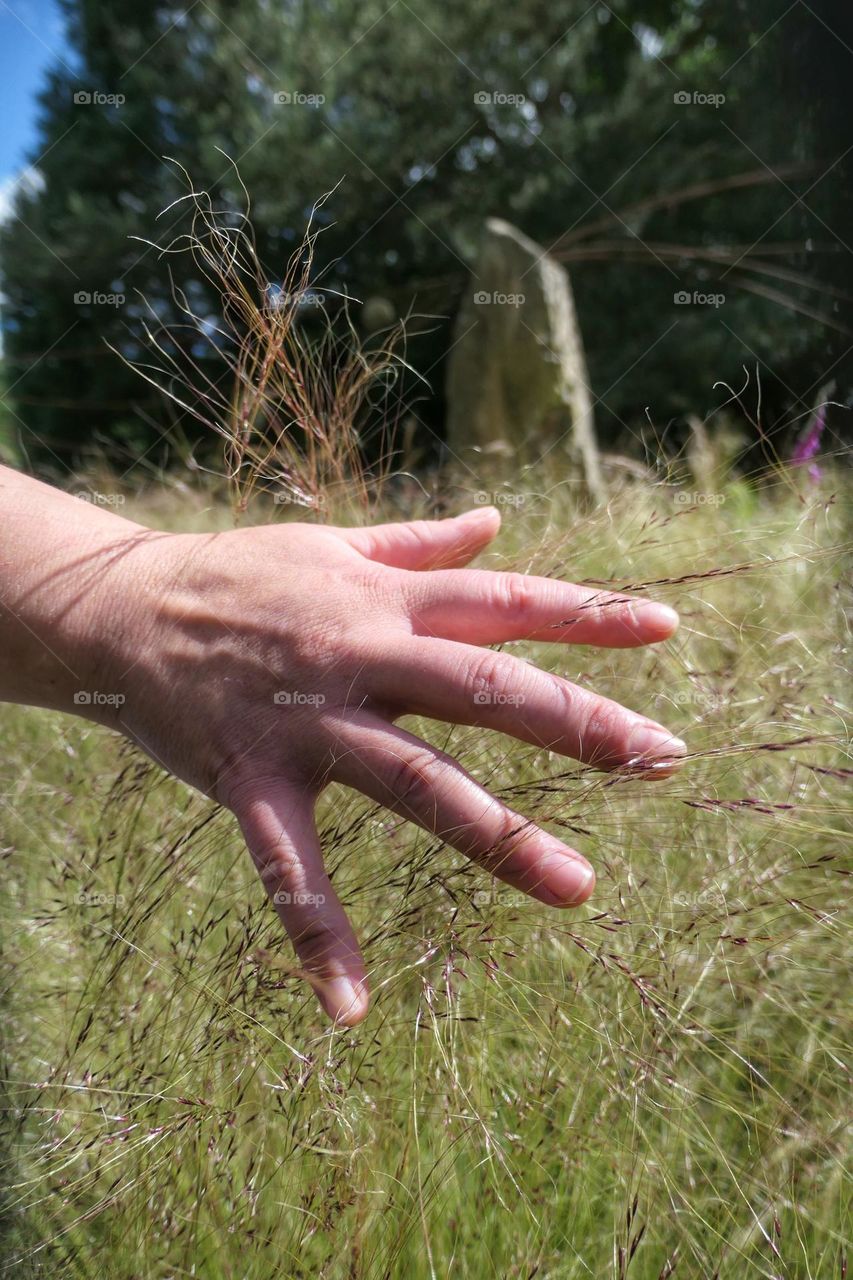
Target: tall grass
[651,1086]
[296,410]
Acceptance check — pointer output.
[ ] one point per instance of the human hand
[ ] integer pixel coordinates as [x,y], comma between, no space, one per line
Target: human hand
[261,664]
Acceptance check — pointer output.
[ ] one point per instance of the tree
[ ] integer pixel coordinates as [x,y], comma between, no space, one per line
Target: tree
[422,120]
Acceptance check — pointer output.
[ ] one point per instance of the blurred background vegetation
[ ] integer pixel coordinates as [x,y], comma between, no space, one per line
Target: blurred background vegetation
[422,119]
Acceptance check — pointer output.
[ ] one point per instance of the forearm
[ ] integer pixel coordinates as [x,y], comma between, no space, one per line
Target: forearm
[60,561]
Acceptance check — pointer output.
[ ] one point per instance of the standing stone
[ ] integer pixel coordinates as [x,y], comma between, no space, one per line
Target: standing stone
[517,374]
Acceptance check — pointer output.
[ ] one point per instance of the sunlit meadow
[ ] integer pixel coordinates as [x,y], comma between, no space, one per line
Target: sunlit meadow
[651,1086]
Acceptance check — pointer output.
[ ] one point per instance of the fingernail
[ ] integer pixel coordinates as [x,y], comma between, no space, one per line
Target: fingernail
[649,740]
[342,1000]
[570,882]
[659,617]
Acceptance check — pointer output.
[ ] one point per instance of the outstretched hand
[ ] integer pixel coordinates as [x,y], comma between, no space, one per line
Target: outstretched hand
[262,664]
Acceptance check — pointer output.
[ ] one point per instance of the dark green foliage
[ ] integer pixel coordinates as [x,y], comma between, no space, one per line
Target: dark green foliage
[421,162]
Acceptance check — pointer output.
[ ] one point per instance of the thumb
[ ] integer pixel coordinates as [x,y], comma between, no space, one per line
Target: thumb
[277,821]
[427,544]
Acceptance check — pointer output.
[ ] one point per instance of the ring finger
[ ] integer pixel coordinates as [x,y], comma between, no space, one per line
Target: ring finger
[419,782]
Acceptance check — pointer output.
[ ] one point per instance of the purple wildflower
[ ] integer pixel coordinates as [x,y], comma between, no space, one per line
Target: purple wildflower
[810,444]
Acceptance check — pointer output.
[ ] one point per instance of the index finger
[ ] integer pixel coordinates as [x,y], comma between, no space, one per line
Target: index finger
[479,606]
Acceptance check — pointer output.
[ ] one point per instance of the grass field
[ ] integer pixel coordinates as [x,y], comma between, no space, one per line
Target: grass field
[651,1086]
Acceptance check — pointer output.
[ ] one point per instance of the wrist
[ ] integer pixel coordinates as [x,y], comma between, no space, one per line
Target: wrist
[102,628]
[66,595]
[119,632]
[86,598]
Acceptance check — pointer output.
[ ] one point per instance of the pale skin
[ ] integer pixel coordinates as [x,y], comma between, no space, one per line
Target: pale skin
[262,664]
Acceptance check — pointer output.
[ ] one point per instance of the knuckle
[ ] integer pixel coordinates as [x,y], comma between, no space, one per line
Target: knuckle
[602,720]
[337,634]
[489,679]
[240,781]
[593,610]
[611,609]
[510,831]
[568,700]
[515,593]
[314,941]
[279,866]
[413,779]
[418,534]
[378,586]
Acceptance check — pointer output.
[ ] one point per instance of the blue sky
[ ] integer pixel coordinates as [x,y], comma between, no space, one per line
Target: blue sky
[31,39]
